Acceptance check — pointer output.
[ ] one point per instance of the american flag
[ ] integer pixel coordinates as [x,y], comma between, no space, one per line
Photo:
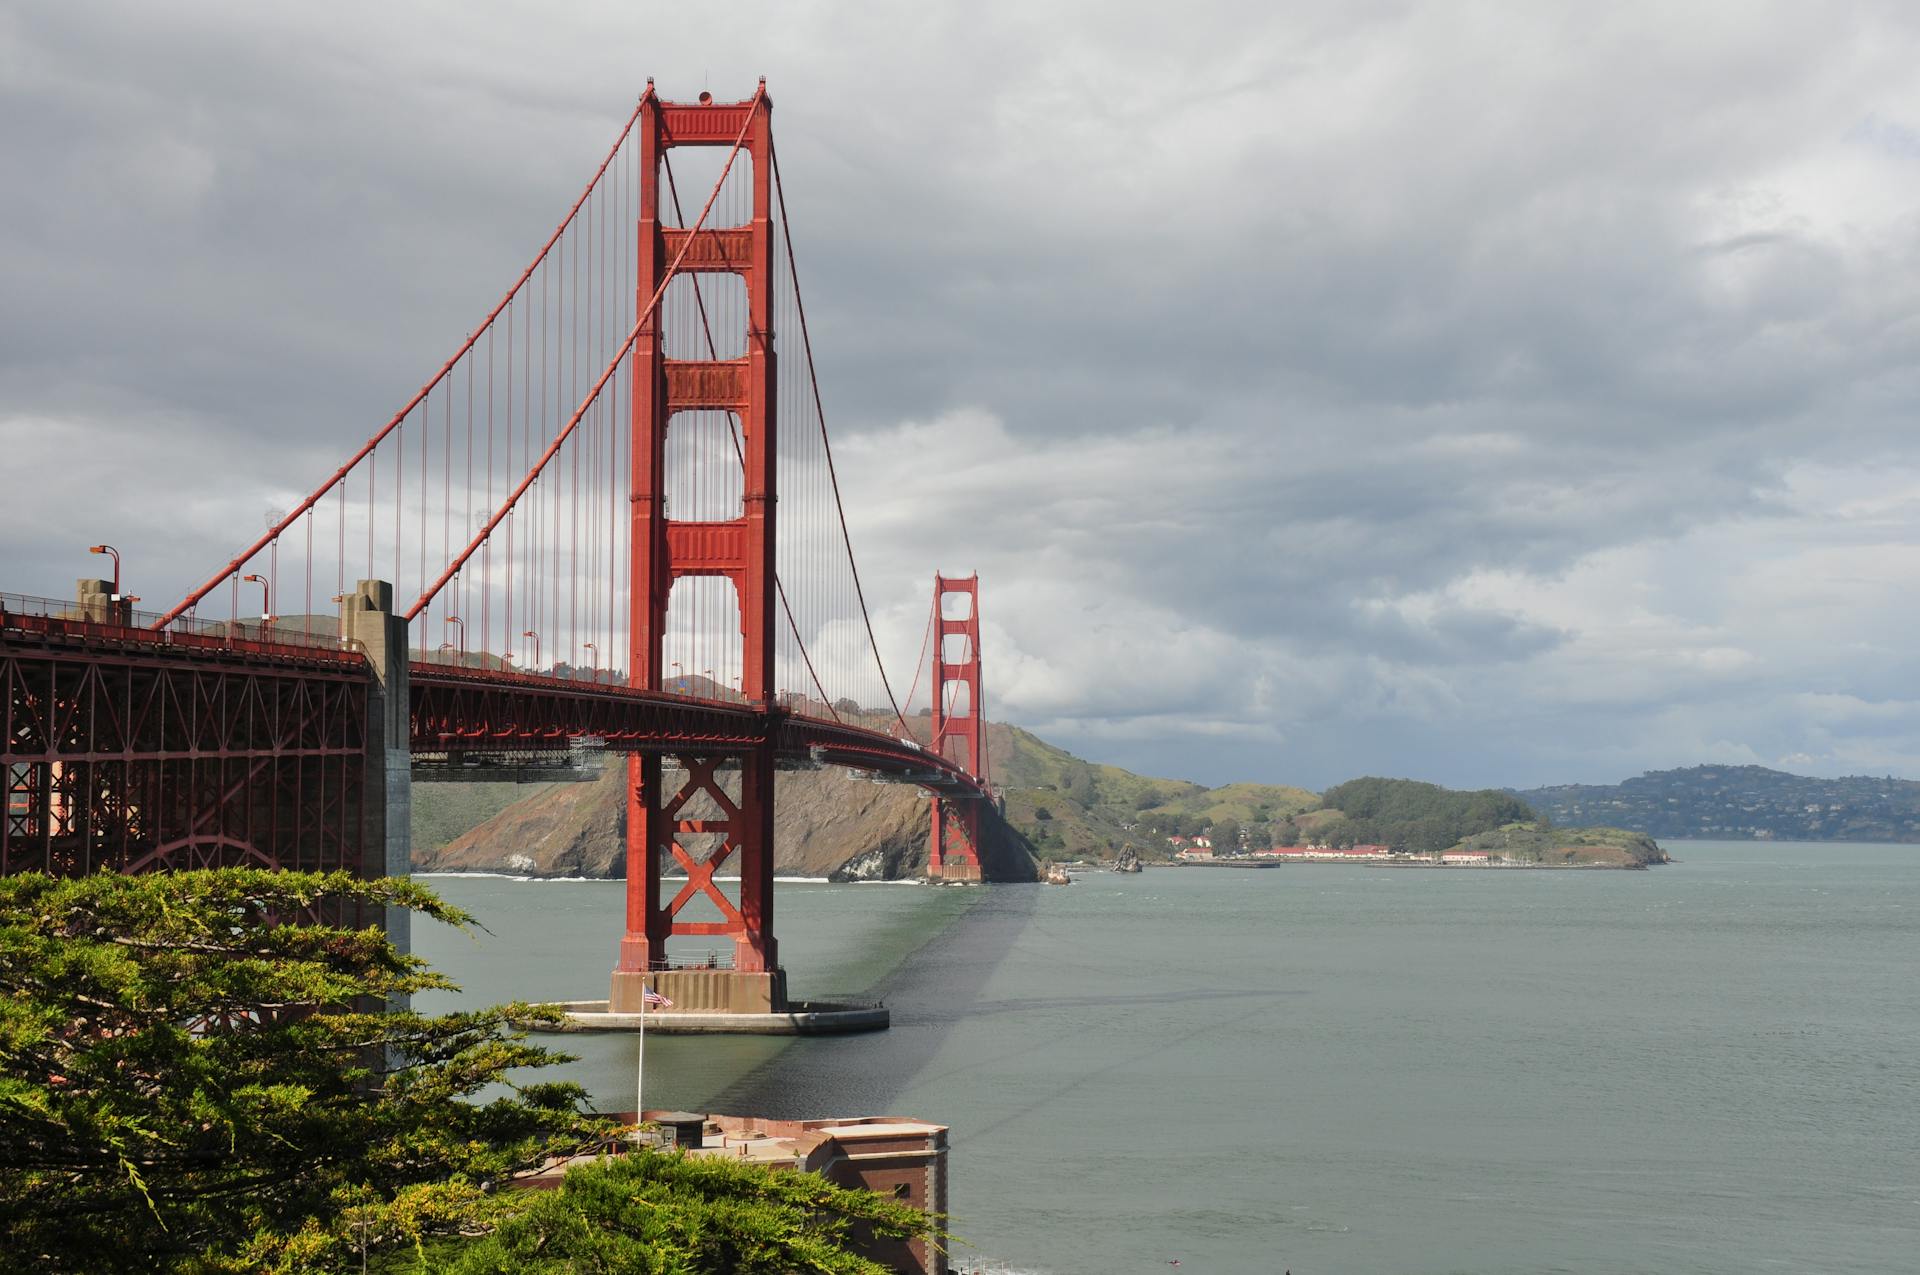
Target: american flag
[651,997]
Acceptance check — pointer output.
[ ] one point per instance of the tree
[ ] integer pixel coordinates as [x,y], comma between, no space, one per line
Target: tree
[1225,836]
[673,1214]
[198,1072]
[194,1066]
[1078,783]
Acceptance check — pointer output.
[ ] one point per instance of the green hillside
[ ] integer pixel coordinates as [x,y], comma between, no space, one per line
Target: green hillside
[444,811]
[1070,808]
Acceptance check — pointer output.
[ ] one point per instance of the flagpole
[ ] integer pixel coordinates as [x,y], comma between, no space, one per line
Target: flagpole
[640,1059]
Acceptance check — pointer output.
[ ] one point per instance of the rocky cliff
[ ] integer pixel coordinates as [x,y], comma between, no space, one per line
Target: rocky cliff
[828,825]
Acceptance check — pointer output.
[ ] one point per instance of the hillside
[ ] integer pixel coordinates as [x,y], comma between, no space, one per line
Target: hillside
[1058,806]
[827,825]
[1591,847]
[1742,803]
[1406,815]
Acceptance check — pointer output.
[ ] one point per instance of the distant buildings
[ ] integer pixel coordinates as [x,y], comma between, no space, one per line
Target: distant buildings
[1337,853]
[1200,850]
[1191,847]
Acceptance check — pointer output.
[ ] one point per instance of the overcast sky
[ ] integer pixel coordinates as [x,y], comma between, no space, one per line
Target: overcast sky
[1485,393]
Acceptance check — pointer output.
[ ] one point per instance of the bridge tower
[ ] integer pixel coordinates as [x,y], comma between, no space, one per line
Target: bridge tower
[959,726]
[738,823]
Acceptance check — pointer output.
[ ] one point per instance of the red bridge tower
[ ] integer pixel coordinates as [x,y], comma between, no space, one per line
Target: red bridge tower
[739,550]
[959,726]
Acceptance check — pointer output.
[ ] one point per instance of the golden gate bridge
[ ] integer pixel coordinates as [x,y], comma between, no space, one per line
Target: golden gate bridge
[610,521]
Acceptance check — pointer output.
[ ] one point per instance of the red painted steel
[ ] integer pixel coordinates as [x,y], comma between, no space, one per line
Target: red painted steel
[954,847]
[739,550]
[125,752]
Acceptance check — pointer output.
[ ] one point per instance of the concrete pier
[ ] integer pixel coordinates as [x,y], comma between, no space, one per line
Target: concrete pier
[801,1018]
[368,624]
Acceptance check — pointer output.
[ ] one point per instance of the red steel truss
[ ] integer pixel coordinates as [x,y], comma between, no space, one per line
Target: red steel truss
[131,750]
[954,851]
[126,752]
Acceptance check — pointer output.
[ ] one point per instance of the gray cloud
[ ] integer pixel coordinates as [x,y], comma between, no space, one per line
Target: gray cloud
[1489,394]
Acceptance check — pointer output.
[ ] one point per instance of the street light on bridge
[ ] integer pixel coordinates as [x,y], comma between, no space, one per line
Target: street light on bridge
[454,619]
[536,647]
[116,564]
[596,660]
[266,601]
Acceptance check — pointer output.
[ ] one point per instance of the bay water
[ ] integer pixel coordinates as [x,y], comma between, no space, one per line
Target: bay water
[1712,1066]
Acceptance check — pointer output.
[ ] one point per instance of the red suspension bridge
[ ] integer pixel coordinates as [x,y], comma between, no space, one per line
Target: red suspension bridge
[565,541]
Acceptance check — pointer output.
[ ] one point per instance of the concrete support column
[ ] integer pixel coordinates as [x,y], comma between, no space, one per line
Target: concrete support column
[368,624]
[98,605]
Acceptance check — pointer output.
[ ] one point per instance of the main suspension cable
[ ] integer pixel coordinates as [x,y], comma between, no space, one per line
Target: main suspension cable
[820,414]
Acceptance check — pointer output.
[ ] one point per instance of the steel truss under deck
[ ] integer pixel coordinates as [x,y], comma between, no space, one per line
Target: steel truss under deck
[133,756]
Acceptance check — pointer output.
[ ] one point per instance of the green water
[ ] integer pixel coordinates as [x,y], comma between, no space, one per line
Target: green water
[1706,1067]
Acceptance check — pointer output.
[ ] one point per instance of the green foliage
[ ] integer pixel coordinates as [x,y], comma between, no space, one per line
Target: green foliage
[187,1084]
[195,1076]
[444,811]
[1414,817]
[1542,843]
[676,1215]
[1244,803]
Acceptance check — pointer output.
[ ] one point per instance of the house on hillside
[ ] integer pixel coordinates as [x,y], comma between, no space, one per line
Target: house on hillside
[1197,848]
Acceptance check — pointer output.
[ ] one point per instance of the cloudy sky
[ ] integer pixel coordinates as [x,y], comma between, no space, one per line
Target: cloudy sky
[1487,393]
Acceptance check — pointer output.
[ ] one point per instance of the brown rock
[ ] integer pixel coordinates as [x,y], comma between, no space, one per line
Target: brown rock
[827,825]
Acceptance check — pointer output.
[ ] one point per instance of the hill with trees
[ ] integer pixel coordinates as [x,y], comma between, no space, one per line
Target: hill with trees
[1057,807]
[1409,816]
[1739,803]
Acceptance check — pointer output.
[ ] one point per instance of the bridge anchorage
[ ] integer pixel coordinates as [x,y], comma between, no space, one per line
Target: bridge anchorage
[616,511]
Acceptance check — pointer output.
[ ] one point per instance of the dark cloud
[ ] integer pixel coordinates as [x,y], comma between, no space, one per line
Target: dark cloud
[1472,392]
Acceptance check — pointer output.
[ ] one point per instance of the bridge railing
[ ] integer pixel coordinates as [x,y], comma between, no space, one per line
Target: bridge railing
[118,622]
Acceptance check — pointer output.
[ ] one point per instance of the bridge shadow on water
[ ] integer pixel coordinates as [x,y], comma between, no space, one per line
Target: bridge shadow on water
[938,986]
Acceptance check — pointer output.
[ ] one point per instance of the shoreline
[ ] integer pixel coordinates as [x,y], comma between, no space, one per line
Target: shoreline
[1407,863]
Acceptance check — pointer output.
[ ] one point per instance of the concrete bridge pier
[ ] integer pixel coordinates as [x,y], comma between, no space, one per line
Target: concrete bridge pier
[99,604]
[368,624]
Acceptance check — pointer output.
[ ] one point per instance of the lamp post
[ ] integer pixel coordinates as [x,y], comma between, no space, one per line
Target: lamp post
[454,619]
[677,676]
[116,564]
[536,647]
[596,661]
[266,601]
[445,646]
